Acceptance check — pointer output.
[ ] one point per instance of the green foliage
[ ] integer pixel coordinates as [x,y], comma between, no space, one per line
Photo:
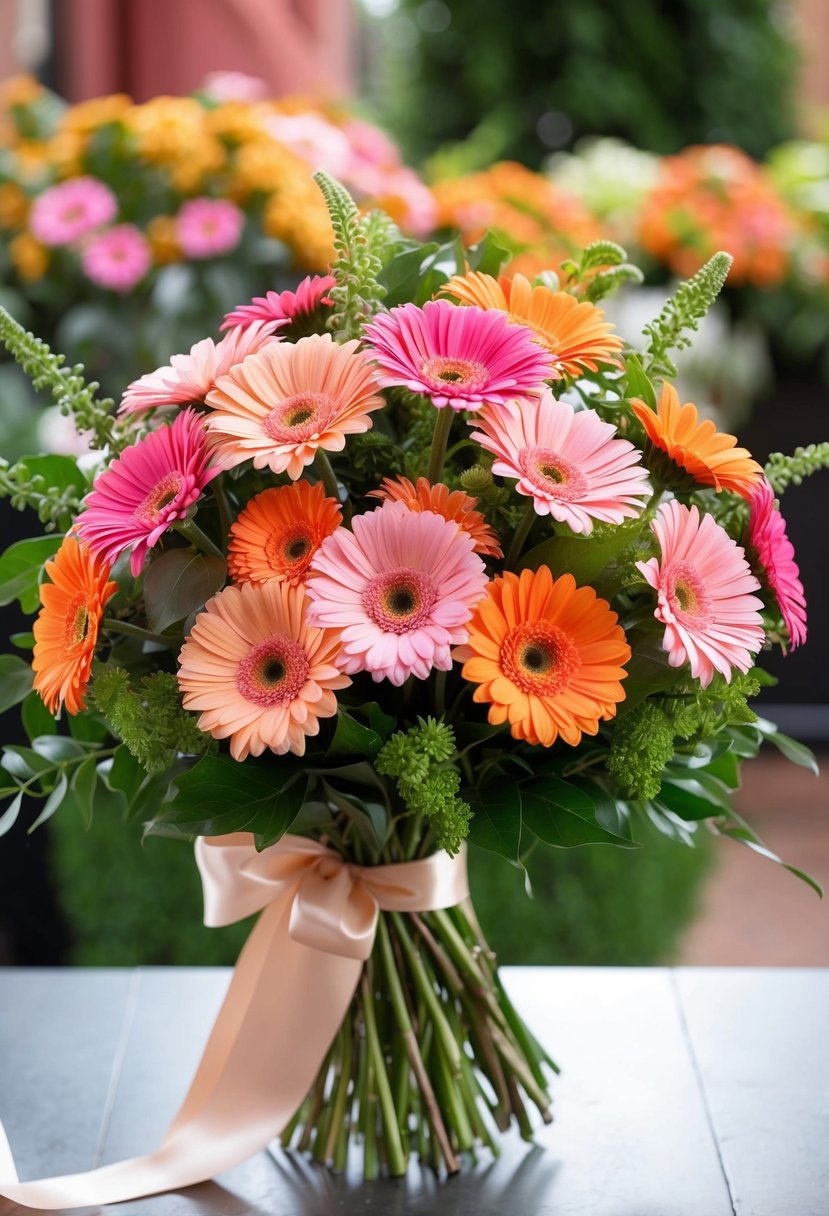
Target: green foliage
[149,719]
[697,714]
[53,486]
[21,567]
[604,268]
[371,457]
[360,243]
[413,759]
[641,745]
[783,471]
[683,313]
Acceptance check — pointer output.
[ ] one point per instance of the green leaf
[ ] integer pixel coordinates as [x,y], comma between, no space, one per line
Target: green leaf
[488,256]
[496,819]
[563,814]
[36,718]
[379,721]
[692,800]
[401,276]
[745,836]
[638,384]
[53,801]
[25,641]
[20,570]
[58,748]
[123,774]
[9,816]
[58,472]
[798,753]
[351,738]
[583,557]
[179,583]
[15,681]
[89,727]
[82,787]
[23,763]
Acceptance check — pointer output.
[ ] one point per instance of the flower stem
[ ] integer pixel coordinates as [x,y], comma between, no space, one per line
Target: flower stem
[440,438]
[520,535]
[222,504]
[134,631]
[191,531]
[323,466]
[396,1157]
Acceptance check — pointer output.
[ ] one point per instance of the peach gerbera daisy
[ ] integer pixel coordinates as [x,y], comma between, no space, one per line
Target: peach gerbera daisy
[279,406]
[66,630]
[257,673]
[572,330]
[451,504]
[547,655]
[708,456]
[278,533]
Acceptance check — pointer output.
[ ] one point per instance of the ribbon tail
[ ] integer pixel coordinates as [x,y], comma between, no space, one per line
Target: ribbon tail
[283,1008]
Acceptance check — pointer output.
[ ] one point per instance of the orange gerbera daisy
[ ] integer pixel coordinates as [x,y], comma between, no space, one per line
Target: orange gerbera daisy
[708,456]
[66,629]
[572,330]
[451,504]
[278,533]
[547,655]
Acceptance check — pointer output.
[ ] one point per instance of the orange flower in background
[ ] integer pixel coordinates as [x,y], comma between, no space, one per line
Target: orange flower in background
[451,504]
[709,456]
[66,630]
[547,655]
[574,331]
[278,533]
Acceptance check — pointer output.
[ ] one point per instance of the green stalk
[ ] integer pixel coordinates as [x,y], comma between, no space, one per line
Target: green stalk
[427,992]
[340,1092]
[396,1157]
[323,466]
[190,530]
[133,631]
[520,535]
[440,438]
[222,504]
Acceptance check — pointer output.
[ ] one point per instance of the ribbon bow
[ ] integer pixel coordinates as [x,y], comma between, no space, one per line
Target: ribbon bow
[290,991]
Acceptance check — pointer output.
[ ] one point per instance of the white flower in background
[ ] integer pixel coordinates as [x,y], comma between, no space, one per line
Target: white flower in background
[609,176]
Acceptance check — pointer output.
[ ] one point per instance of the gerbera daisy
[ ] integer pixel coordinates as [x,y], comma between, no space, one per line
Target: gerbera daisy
[547,656]
[697,449]
[294,309]
[400,588]
[703,585]
[257,673]
[461,357]
[209,227]
[282,404]
[66,630]
[117,258]
[64,213]
[150,486]
[451,504]
[774,552]
[278,533]
[573,331]
[571,464]
[189,378]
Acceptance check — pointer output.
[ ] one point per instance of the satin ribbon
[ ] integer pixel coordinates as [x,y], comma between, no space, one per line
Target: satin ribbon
[290,991]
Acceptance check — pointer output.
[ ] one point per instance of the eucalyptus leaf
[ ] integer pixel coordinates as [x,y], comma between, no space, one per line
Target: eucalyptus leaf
[37,720]
[9,817]
[797,752]
[20,570]
[179,583]
[15,680]
[53,802]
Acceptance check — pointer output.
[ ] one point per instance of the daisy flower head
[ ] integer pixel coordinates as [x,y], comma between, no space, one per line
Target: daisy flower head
[547,656]
[704,589]
[572,464]
[574,332]
[279,406]
[208,227]
[66,629]
[279,531]
[117,258]
[150,486]
[451,504]
[768,542]
[298,310]
[685,449]
[400,588]
[257,673]
[66,212]
[458,357]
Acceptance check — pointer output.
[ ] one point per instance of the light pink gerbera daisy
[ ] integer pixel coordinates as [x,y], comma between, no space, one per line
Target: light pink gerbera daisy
[703,585]
[280,405]
[189,378]
[286,307]
[118,258]
[208,227]
[150,486]
[65,213]
[571,464]
[257,672]
[400,588]
[461,357]
[775,555]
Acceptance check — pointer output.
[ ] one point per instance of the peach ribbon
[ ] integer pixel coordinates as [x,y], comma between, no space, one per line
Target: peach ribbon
[290,990]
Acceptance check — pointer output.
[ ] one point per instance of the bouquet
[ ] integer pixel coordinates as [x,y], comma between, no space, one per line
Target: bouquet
[434,556]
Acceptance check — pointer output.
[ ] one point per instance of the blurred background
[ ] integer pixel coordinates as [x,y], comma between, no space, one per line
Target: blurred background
[676,129]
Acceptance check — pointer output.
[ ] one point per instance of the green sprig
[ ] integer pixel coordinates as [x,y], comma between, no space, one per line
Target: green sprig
[783,471]
[415,759]
[150,720]
[360,243]
[683,313]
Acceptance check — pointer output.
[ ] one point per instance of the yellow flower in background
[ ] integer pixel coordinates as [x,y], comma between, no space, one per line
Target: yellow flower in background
[20,90]
[237,122]
[14,206]
[208,156]
[296,215]
[33,159]
[29,258]
[166,129]
[89,116]
[264,165]
[66,153]
[161,233]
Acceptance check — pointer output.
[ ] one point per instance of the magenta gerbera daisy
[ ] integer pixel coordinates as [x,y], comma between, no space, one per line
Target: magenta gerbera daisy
[400,587]
[150,486]
[571,464]
[458,356]
[774,551]
[704,594]
[286,307]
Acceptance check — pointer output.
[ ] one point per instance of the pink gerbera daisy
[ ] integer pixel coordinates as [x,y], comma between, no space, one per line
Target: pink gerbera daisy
[775,554]
[118,258]
[282,404]
[257,672]
[461,357]
[189,378]
[400,588]
[150,486]
[208,227]
[64,213]
[703,585]
[289,308]
[571,464]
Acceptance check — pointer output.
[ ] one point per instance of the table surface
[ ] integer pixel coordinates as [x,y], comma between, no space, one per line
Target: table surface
[687,1092]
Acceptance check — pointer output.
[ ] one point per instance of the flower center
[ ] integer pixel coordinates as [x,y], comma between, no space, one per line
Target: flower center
[76,630]
[400,601]
[686,593]
[539,658]
[442,371]
[166,491]
[291,547]
[299,417]
[72,213]
[549,472]
[274,672]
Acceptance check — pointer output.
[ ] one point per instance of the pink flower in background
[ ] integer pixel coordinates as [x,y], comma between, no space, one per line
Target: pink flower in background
[208,227]
[189,378]
[118,258]
[703,585]
[775,554]
[314,139]
[142,493]
[69,211]
[285,306]
[234,86]
[370,144]
[400,587]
